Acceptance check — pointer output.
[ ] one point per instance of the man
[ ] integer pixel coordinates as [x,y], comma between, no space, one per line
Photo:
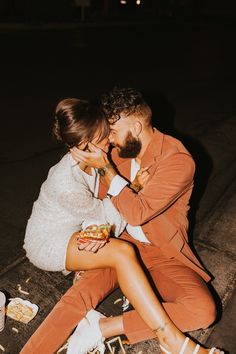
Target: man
[156,223]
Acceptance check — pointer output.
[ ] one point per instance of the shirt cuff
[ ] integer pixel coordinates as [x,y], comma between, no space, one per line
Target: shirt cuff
[116,186]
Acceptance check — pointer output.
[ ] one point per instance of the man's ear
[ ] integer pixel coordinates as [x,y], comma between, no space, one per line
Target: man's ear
[137,128]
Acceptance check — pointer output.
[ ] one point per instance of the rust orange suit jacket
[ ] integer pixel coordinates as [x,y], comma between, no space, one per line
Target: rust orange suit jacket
[161,207]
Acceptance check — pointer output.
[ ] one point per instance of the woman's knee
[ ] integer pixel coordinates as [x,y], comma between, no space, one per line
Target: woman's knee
[124,250]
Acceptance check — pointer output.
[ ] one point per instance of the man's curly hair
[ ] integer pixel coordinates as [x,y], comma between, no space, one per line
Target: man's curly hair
[127,101]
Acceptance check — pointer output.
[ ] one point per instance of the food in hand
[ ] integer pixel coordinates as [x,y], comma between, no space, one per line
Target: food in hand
[95,233]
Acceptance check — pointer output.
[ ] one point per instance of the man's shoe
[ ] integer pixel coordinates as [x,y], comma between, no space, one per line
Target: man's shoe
[87,335]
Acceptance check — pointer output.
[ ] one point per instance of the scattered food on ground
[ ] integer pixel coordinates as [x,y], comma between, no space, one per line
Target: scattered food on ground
[15,329]
[22,291]
[117,300]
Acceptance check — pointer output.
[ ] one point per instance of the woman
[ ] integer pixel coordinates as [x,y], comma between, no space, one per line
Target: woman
[66,198]
[66,202]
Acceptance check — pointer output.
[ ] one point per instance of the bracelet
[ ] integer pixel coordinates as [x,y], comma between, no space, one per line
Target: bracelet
[102,170]
[136,187]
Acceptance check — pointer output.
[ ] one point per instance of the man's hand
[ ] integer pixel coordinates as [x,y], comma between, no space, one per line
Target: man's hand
[96,157]
[140,179]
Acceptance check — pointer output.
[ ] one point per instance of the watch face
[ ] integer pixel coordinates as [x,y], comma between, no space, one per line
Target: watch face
[101,171]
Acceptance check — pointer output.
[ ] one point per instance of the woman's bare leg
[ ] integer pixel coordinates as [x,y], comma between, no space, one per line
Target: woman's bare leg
[120,256]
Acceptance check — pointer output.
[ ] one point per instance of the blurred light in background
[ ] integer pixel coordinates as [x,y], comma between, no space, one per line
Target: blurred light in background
[124,2]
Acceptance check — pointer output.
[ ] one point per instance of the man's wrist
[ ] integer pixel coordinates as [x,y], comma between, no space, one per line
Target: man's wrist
[136,187]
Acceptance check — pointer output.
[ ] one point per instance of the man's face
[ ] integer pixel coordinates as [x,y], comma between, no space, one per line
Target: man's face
[122,138]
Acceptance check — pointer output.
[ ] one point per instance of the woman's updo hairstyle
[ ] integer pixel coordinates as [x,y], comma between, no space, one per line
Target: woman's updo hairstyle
[78,121]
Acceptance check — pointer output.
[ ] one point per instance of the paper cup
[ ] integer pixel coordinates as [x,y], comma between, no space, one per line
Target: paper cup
[2,310]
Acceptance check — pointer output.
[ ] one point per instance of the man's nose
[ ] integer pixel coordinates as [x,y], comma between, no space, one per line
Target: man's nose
[110,139]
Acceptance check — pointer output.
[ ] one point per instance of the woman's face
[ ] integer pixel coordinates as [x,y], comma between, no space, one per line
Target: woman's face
[102,144]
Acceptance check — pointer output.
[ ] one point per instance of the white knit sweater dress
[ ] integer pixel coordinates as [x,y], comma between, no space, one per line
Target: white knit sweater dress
[67,198]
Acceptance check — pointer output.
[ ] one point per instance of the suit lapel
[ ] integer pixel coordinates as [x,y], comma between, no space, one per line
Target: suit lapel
[154,149]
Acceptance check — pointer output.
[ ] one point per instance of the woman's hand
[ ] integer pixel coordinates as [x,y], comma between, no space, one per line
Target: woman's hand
[90,246]
[140,179]
[96,157]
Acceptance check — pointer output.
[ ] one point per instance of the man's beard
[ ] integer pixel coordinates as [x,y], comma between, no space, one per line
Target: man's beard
[131,148]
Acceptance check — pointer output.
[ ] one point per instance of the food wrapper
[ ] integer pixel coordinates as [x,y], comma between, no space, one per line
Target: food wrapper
[95,232]
[21,310]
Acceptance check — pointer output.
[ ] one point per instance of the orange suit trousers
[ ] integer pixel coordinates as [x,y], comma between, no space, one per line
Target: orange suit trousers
[183,293]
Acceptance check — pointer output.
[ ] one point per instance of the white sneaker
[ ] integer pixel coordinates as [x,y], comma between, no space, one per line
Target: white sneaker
[87,335]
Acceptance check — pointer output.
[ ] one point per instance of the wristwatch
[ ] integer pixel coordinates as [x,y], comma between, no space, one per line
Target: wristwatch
[102,170]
